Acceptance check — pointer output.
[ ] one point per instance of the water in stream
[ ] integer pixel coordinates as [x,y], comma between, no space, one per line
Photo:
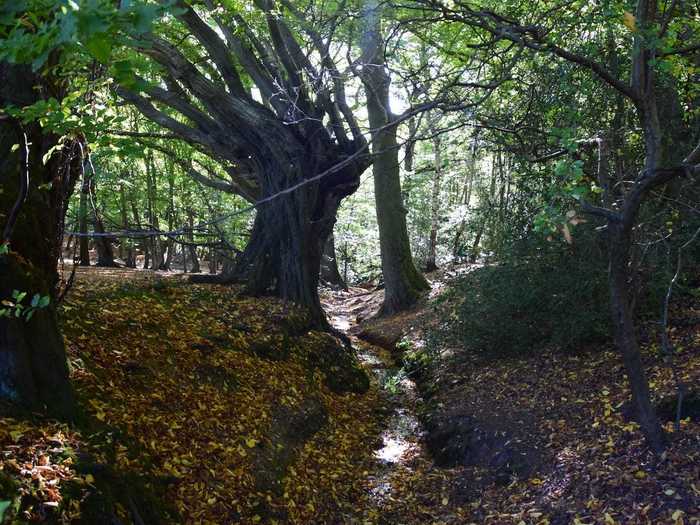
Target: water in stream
[401,445]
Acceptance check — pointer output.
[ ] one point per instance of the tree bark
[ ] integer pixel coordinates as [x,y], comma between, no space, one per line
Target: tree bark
[403,282]
[157,248]
[126,244]
[192,248]
[83,222]
[330,275]
[105,252]
[33,366]
[431,263]
[283,255]
[137,221]
[626,337]
[170,242]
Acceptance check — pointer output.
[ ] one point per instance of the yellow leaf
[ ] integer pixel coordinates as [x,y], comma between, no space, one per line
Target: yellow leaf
[630,21]
[250,442]
[640,474]
[89,478]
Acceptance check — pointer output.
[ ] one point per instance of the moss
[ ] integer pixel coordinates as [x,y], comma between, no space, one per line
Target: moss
[342,372]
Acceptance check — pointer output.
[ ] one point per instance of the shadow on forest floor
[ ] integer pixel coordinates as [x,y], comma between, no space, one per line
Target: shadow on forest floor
[203,406]
[541,438]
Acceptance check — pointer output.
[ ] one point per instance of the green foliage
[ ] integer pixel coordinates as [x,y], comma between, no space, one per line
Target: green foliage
[4,505]
[555,297]
[14,307]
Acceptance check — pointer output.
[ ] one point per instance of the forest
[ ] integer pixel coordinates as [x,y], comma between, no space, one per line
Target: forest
[363,262]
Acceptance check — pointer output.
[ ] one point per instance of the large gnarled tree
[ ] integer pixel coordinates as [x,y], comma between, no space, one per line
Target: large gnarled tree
[273,114]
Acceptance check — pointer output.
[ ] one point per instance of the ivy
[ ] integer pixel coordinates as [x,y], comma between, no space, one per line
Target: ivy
[14,307]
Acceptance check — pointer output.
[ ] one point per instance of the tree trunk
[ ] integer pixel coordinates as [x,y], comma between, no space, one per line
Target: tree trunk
[129,256]
[105,254]
[170,243]
[192,248]
[83,222]
[212,261]
[283,255]
[410,147]
[33,367]
[431,264]
[403,282]
[465,198]
[330,275]
[157,254]
[626,337]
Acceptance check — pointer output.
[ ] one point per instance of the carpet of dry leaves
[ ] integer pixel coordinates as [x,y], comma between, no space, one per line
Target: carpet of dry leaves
[176,405]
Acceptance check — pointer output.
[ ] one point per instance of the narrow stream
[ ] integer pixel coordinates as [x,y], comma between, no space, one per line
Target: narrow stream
[402,437]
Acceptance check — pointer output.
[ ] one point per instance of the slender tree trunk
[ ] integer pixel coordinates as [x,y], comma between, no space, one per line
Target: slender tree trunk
[329,266]
[33,367]
[130,258]
[84,251]
[170,243]
[156,246]
[403,282]
[144,242]
[431,263]
[105,253]
[212,261]
[192,247]
[410,147]
[626,337]
[465,198]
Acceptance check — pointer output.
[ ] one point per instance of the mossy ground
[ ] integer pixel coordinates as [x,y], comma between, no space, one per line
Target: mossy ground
[177,403]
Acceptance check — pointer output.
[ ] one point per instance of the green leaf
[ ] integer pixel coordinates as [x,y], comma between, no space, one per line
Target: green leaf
[29,314]
[100,46]
[4,505]
[44,302]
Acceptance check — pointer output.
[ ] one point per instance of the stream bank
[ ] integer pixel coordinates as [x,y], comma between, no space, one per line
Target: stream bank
[542,437]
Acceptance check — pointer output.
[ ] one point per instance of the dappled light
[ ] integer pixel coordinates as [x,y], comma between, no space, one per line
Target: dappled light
[359,262]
